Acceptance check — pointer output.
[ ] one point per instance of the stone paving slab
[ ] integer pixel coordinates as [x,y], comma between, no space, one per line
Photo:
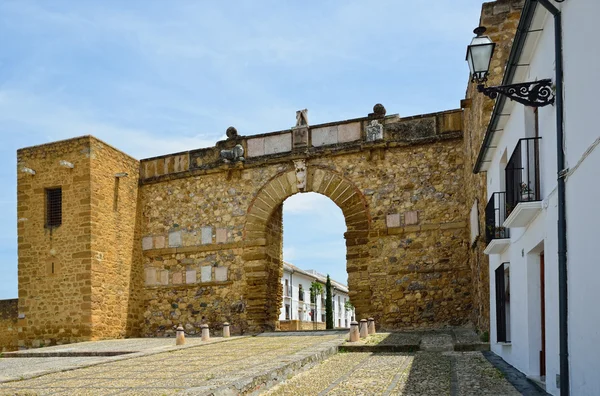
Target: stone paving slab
[245,365]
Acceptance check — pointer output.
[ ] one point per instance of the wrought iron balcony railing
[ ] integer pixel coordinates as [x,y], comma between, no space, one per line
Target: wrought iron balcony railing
[523,174]
[495,214]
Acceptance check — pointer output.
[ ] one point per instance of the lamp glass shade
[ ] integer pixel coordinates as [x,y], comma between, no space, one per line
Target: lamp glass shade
[479,57]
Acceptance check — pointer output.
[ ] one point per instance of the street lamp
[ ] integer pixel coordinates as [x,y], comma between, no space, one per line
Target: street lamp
[479,56]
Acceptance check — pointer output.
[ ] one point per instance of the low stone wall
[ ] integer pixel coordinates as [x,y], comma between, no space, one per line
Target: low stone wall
[8,325]
[294,325]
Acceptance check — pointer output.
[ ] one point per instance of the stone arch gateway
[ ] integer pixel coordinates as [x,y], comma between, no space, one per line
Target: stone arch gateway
[195,237]
[264,223]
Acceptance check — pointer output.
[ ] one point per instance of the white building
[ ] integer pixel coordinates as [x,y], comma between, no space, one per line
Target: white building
[519,156]
[297,304]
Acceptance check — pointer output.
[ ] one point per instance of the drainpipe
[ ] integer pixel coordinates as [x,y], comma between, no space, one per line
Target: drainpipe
[562,223]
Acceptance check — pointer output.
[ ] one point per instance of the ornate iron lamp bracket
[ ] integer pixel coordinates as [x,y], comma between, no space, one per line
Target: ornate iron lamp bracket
[535,94]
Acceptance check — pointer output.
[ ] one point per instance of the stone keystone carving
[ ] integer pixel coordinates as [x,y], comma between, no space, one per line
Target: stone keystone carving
[300,166]
[302,118]
[374,131]
[233,155]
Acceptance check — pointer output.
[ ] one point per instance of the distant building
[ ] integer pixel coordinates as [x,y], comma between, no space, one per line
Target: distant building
[298,305]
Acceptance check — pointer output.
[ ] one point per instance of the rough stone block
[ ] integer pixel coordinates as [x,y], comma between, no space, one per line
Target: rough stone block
[164,277]
[147,243]
[281,143]
[256,147]
[393,220]
[221,274]
[175,239]
[177,278]
[348,132]
[411,218]
[159,242]
[206,273]
[221,235]
[190,276]
[300,137]
[150,276]
[324,136]
[206,235]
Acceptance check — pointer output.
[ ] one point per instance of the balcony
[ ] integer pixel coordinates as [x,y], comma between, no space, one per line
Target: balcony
[496,234]
[523,195]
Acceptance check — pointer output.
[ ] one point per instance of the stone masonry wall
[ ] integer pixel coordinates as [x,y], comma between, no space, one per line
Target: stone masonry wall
[501,19]
[116,273]
[211,231]
[8,325]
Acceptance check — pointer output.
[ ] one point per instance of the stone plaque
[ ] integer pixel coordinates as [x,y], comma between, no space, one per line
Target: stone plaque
[164,277]
[175,239]
[221,235]
[324,136]
[177,278]
[280,143]
[411,218]
[393,220]
[348,132]
[220,274]
[374,131]
[159,242]
[206,273]
[147,243]
[300,137]
[150,276]
[206,235]
[190,276]
[256,147]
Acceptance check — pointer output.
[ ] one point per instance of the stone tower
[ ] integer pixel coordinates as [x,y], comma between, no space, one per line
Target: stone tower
[77,221]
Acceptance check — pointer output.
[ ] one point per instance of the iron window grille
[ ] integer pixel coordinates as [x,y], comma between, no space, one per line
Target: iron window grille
[495,215]
[53,207]
[523,174]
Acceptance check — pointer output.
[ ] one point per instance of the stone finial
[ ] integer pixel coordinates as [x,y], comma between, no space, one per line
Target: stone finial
[364,331]
[231,133]
[233,155]
[180,336]
[371,326]
[302,118]
[226,330]
[205,332]
[354,333]
[379,110]
[300,166]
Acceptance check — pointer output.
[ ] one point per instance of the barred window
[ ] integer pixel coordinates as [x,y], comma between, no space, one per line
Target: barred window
[53,207]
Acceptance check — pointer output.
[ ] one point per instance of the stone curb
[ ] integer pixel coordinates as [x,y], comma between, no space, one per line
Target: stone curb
[255,384]
[379,348]
[133,355]
[409,348]
[475,347]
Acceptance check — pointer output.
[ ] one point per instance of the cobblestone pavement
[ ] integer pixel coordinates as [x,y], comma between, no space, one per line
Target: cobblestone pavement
[22,368]
[421,373]
[204,367]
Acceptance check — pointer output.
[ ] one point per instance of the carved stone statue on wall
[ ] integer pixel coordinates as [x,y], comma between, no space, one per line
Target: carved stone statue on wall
[302,118]
[300,166]
[233,155]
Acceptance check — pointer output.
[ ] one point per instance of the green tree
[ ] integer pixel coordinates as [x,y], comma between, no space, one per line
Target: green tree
[328,305]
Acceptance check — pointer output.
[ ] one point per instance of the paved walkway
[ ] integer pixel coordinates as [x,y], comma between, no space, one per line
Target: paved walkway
[421,373]
[250,365]
[194,370]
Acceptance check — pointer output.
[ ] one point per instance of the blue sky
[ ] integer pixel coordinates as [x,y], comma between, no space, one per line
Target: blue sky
[154,77]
